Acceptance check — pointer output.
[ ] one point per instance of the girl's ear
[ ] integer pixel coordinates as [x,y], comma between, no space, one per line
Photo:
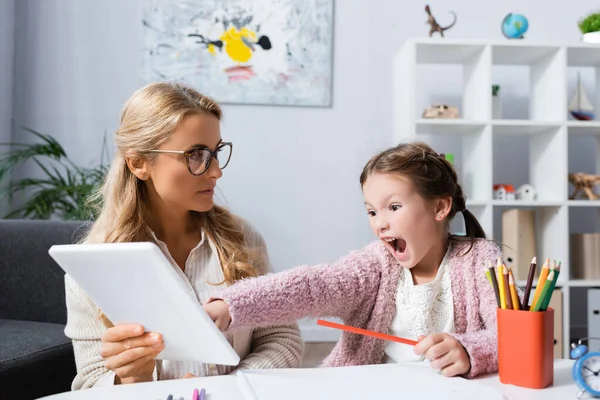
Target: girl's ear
[139,166]
[442,208]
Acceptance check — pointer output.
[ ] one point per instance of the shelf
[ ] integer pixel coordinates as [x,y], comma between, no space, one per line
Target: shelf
[584,282]
[530,154]
[534,140]
[522,54]
[583,56]
[448,126]
[591,128]
[434,52]
[524,203]
[519,127]
[584,203]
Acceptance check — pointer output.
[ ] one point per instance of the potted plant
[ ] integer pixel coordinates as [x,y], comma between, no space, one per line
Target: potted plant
[590,27]
[61,189]
[496,104]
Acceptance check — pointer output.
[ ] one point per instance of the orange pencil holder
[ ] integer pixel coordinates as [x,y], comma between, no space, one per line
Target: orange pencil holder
[526,348]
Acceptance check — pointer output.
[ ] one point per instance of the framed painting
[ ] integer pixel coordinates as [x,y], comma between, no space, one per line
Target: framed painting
[277,52]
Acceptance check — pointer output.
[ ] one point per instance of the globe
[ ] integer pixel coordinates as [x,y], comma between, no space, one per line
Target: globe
[514,26]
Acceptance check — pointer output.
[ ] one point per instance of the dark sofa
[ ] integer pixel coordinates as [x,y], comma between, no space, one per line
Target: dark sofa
[36,358]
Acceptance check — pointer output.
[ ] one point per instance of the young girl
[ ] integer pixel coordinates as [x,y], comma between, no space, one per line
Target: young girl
[416,281]
[160,188]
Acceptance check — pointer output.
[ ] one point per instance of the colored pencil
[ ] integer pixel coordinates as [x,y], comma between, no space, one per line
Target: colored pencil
[530,277]
[366,332]
[547,283]
[541,281]
[486,271]
[494,282]
[501,285]
[513,290]
[509,305]
[546,302]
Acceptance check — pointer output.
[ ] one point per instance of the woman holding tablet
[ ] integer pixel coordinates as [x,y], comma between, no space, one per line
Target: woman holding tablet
[160,188]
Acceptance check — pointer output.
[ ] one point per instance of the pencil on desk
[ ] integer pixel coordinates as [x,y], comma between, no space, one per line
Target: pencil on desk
[541,281]
[366,332]
[513,291]
[501,285]
[529,284]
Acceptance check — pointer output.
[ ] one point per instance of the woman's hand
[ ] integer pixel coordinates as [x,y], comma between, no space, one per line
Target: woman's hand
[218,311]
[445,353]
[130,352]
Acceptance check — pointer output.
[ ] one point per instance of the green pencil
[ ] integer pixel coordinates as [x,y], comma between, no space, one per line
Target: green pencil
[488,276]
[492,277]
[546,302]
[538,305]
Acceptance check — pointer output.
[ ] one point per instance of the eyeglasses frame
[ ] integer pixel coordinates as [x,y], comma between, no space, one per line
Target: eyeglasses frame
[188,153]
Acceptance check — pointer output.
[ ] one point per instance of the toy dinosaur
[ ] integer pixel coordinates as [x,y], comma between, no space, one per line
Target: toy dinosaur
[584,182]
[435,27]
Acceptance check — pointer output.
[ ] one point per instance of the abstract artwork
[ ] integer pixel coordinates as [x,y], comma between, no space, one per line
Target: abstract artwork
[242,51]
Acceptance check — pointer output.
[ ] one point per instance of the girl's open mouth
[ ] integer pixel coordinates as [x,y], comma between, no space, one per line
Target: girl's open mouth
[399,245]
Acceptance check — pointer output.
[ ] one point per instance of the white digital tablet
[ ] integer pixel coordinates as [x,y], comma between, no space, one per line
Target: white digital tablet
[135,283]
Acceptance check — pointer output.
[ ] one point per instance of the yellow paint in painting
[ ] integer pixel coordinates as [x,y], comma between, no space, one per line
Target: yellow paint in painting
[211,49]
[235,46]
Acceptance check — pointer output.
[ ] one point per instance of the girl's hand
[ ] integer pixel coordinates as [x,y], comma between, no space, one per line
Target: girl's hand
[130,352]
[218,311]
[445,353]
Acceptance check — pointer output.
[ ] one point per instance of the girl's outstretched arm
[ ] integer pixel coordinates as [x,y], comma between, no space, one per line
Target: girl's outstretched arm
[336,290]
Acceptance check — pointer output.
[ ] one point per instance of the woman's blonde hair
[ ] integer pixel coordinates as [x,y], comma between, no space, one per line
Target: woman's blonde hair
[148,119]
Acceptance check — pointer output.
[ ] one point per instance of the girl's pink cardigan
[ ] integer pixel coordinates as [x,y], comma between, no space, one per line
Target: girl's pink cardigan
[360,289]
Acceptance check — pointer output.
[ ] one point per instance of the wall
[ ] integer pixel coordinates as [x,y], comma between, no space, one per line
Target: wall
[7,41]
[294,173]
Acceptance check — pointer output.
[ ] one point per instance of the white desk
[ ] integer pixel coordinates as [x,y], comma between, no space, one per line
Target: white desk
[563,388]
[375,381]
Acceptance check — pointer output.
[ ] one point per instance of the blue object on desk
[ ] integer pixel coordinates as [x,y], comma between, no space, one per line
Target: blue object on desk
[202,394]
[586,370]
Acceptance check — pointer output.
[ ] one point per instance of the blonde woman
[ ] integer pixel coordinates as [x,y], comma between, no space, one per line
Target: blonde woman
[160,188]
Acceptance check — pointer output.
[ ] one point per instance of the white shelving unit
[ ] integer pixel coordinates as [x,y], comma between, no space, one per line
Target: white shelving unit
[546,132]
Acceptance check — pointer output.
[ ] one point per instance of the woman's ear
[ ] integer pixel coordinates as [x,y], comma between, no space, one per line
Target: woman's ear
[442,208]
[139,166]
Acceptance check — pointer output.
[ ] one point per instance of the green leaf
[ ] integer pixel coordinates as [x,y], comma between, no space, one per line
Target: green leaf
[64,189]
[590,23]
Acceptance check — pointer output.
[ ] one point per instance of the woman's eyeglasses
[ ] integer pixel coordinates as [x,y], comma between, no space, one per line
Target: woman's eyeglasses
[198,159]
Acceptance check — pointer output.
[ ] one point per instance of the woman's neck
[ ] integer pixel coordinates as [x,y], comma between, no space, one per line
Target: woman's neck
[170,225]
[426,270]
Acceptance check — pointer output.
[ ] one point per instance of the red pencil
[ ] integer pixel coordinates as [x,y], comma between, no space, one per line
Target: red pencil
[366,332]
